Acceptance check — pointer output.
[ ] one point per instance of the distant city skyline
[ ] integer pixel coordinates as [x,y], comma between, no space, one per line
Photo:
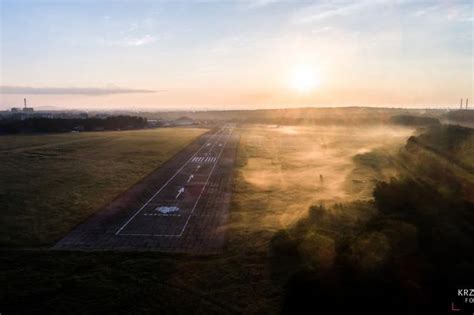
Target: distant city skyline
[195,55]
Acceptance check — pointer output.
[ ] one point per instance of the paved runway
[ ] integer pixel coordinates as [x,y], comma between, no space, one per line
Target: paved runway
[182,207]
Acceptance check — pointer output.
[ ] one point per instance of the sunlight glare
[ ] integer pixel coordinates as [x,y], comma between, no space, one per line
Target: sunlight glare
[304,79]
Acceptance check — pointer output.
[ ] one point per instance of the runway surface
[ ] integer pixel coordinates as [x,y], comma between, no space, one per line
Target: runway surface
[181,207]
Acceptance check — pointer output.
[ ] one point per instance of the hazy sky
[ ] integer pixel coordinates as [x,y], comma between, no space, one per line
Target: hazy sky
[233,54]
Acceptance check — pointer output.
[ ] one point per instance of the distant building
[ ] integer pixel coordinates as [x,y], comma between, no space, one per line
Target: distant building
[152,123]
[27,109]
[16,110]
[183,121]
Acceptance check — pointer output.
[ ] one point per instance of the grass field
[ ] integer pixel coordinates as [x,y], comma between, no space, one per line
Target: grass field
[50,183]
[276,180]
[279,170]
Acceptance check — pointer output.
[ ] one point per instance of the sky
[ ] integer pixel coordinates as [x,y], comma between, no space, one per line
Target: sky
[202,55]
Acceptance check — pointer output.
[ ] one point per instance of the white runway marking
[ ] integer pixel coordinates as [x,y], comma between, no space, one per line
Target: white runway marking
[162,187]
[203,188]
[205,159]
[180,191]
[162,215]
[195,204]
[166,209]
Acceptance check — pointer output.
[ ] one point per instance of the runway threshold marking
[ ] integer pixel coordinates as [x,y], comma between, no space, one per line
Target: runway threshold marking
[204,159]
[162,187]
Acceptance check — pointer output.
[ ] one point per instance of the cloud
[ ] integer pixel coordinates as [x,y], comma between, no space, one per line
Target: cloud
[143,25]
[139,32]
[321,30]
[326,10]
[255,4]
[140,41]
[426,10]
[69,90]
[454,11]
[130,41]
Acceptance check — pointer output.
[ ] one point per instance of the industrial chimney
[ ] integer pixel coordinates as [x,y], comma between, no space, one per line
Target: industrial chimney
[24,102]
[460,107]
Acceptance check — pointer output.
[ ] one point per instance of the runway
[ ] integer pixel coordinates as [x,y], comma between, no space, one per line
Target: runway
[181,207]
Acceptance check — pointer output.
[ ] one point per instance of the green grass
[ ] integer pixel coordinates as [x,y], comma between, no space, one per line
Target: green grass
[50,183]
[276,179]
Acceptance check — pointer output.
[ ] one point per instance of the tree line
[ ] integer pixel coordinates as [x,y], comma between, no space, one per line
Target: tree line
[33,125]
[406,251]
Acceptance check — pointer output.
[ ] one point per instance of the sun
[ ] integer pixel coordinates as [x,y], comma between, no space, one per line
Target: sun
[304,79]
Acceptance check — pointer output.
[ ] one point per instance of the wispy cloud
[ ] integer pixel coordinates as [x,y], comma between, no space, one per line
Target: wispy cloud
[142,25]
[454,11]
[321,30]
[134,33]
[325,10]
[26,90]
[426,10]
[140,41]
[254,4]
[130,41]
